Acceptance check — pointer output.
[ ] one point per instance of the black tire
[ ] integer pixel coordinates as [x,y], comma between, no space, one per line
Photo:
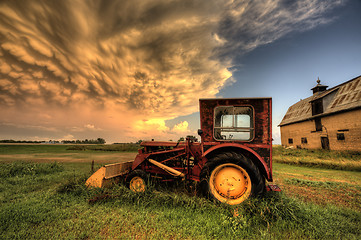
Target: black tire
[137,181]
[244,181]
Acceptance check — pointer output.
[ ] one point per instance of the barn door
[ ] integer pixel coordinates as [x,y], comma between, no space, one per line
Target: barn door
[325,143]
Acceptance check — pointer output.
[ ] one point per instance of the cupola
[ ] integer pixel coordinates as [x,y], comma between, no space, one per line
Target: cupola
[319,87]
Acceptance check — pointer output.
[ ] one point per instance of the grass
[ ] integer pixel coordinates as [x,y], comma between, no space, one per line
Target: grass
[120,147]
[48,200]
[319,186]
[65,153]
[342,160]
[51,201]
[63,148]
[32,148]
[16,169]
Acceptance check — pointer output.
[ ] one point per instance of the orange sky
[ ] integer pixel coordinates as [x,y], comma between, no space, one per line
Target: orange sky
[119,69]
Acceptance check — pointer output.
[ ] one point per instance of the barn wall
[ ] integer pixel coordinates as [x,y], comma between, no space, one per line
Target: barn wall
[347,123]
[300,130]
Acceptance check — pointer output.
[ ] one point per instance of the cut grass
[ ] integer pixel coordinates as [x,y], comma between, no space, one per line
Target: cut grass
[120,147]
[326,185]
[342,160]
[31,148]
[64,148]
[320,186]
[60,153]
[318,153]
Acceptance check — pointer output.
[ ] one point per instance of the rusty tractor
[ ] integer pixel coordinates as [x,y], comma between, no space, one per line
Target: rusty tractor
[232,161]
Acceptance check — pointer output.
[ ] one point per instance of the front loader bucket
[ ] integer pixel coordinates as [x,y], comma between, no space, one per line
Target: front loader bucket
[104,176]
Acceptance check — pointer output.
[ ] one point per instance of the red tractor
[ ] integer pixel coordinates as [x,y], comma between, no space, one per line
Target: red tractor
[231,163]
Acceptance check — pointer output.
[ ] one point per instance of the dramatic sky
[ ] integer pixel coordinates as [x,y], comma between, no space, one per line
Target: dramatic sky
[135,69]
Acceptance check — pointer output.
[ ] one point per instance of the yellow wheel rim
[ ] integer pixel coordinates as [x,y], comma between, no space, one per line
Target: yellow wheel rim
[230,183]
[137,184]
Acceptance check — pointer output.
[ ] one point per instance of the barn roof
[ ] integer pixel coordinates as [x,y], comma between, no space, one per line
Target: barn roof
[343,97]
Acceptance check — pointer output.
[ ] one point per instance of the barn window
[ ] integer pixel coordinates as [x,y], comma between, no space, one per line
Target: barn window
[290,141]
[317,107]
[233,123]
[318,124]
[304,140]
[340,136]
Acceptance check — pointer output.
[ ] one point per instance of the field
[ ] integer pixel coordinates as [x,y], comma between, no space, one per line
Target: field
[42,196]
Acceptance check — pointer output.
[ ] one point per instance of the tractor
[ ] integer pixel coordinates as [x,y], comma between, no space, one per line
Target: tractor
[231,163]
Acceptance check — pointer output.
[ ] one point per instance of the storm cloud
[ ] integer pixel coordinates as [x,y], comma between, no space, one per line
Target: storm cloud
[150,59]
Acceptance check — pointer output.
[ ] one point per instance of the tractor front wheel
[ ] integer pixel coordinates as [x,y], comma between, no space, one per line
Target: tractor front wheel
[137,181]
[231,178]
[230,183]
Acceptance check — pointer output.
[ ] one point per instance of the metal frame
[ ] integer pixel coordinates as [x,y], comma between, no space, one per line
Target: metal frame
[238,140]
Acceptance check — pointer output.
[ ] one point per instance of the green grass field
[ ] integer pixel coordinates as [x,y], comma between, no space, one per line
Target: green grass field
[68,153]
[342,160]
[47,199]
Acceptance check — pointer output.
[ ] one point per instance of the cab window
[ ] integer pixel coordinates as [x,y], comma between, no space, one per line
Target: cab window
[233,123]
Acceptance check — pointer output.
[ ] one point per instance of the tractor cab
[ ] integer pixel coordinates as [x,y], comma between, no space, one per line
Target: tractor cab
[236,120]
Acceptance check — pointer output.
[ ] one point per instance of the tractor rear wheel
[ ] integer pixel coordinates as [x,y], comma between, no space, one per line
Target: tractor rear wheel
[231,178]
[137,181]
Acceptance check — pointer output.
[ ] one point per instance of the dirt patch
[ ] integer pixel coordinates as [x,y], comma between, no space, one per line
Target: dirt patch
[346,197]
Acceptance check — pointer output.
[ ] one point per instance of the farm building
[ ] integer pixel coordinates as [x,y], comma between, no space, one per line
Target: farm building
[329,119]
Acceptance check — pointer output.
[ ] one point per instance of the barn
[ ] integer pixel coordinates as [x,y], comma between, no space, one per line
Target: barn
[329,119]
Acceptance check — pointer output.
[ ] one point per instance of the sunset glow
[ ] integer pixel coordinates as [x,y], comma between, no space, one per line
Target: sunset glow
[120,69]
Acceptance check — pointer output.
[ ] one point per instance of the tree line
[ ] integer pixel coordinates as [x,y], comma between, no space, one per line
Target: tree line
[86,141]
